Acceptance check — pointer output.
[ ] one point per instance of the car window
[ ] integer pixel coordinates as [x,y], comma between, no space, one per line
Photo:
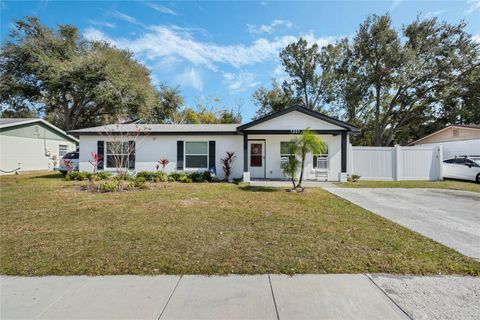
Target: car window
[477,161]
[71,155]
[470,162]
[449,161]
[460,161]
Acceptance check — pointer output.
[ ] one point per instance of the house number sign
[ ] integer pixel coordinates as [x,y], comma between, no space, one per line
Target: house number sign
[295,131]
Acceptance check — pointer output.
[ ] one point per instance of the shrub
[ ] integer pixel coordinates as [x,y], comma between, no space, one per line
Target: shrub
[104,175]
[177,176]
[123,176]
[78,176]
[227,164]
[196,176]
[354,178]
[160,177]
[109,186]
[157,176]
[140,182]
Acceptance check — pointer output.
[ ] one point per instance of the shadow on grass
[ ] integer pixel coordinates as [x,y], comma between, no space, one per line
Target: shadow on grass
[259,189]
[56,175]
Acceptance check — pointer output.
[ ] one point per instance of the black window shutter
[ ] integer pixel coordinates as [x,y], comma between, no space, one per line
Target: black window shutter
[101,153]
[211,156]
[179,155]
[131,158]
[315,161]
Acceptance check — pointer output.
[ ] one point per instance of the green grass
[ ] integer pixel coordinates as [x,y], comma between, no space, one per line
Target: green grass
[445,184]
[50,227]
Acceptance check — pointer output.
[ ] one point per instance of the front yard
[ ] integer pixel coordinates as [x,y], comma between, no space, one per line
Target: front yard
[50,227]
[445,184]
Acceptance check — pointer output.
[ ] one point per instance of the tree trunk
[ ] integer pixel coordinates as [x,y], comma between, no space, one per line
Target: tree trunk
[299,185]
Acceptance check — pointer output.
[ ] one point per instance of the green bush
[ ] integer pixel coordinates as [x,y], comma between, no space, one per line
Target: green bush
[140,182]
[109,186]
[354,178]
[204,176]
[78,176]
[104,175]
[177,176]
[123,176]
[157,176]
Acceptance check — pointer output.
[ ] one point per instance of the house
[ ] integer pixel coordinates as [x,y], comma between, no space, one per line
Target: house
[32,144]
[259,146]
[455,140]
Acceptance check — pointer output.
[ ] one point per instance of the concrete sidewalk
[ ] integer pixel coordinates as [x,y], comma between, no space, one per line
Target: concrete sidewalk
[356,296]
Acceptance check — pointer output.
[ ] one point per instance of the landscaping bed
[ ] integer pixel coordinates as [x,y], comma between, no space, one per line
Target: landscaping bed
[50,227]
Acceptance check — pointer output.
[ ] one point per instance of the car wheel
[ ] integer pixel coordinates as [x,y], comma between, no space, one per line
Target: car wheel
[477,179]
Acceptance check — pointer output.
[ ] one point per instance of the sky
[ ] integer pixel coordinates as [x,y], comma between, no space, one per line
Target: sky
[224,49]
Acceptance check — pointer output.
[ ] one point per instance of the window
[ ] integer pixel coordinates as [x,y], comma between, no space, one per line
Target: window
[449,161]
[117,154]
[71,155]
[284,153]
[320,161]
[460,161]
[196,154]
[62,150]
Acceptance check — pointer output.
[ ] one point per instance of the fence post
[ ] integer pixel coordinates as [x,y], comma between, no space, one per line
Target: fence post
[398,162]
[440,162]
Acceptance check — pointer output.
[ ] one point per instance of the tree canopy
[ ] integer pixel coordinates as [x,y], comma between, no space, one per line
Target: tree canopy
[74,82]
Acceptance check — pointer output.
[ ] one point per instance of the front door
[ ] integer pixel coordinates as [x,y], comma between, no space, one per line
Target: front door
[256,159]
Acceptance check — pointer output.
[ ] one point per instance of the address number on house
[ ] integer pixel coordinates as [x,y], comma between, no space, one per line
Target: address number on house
[295,131]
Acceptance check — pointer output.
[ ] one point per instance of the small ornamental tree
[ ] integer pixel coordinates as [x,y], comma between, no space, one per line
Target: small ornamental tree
[308,142]
[290,168]
[68,164]
[164,163]
[227,164]
[96,160]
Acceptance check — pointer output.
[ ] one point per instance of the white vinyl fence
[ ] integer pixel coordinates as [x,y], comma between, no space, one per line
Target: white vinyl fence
[396,163]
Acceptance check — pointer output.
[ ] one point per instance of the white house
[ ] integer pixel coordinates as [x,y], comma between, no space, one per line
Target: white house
[258,145]
[32,144]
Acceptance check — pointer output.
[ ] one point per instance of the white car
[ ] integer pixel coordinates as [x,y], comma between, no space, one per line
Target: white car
[72,158]
[463,168]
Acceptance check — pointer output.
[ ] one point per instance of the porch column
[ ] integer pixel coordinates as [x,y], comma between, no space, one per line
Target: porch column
[246,174]
[343,174]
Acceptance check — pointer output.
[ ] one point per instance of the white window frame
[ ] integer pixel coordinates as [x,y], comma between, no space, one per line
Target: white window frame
[282,155]
[59,151]
[114,154]
[322,155]
[185,155]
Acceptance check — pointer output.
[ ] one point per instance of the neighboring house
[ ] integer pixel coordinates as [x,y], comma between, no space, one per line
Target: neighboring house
[259,146]
[455,140]
[32,144]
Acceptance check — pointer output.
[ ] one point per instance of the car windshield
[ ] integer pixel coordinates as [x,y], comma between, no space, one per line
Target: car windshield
[71,155]
[476,160]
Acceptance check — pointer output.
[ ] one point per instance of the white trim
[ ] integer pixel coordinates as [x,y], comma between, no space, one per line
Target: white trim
[14,124]
[185,168]
[106,154]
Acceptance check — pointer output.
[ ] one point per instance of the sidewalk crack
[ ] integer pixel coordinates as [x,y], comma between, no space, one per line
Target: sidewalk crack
[273,296]
[389,298]
[169,297]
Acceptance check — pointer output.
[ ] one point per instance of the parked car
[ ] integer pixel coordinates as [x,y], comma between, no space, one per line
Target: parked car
[462,167]
[69,159]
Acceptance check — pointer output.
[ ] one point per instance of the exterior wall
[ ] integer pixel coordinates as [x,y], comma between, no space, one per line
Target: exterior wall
[456,148]
[447,135]
[32,153]
[150,149]
[273,160]
[294,121]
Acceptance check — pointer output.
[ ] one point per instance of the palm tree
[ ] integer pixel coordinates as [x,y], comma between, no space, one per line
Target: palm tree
[308,142]
[290,167]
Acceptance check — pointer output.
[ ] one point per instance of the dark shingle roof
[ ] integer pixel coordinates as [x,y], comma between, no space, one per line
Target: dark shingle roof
[160,128]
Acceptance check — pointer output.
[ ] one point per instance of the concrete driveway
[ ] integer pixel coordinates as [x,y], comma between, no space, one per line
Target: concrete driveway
[447,216]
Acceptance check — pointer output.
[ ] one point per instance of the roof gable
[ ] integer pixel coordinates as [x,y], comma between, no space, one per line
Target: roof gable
[13,123]
[297,118]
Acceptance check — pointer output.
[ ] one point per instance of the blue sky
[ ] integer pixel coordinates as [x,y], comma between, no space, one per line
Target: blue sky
[224,49]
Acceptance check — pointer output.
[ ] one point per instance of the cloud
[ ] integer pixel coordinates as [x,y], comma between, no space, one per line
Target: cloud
[431,14]
[394,5]
[103,24]
[268,28]
[160,42]
[160,8]
[127,18]
[190,78]
[476,38]
[239,82]
[474,6]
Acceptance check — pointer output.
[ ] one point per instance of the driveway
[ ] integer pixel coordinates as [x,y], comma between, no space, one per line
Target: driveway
[450,217]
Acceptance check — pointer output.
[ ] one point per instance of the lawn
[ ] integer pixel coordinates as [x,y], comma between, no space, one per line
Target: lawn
[445,184]
[50,227]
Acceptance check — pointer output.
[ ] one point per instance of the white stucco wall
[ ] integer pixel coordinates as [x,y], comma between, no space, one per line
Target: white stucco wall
[32,154]
[151,148]
[294,121]
[273,160]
